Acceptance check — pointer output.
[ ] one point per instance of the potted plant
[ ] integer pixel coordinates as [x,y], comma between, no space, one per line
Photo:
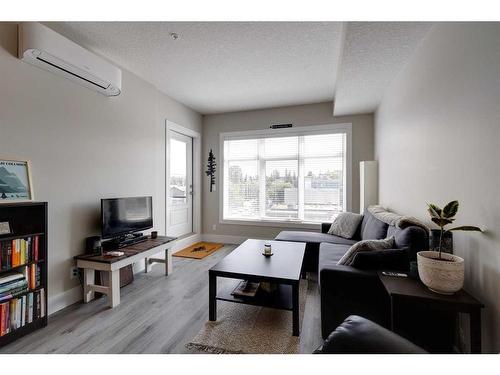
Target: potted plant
[439,271]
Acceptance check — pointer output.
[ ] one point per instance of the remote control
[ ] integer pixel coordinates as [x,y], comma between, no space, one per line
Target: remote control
[115,253]
[396,274]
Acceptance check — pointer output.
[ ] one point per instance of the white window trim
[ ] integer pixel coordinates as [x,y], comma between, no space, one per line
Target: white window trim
[268,133]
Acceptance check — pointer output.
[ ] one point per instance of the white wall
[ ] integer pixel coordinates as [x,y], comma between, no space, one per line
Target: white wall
[83,147]
[437,136]
[302,115]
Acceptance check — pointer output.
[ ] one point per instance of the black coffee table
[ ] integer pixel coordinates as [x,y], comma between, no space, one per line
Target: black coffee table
[246,262]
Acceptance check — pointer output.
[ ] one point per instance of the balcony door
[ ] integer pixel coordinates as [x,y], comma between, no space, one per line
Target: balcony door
[180,184]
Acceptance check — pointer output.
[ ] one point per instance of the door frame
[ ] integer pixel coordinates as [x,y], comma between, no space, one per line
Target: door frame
[185,208]
[170,125]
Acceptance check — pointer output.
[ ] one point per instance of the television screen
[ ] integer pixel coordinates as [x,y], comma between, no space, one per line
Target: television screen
[121,216]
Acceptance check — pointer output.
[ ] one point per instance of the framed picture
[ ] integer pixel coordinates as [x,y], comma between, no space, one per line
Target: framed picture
[4,228]
[15,181]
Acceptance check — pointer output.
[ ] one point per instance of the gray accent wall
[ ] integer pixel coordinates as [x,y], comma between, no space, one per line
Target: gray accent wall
[300,115]
[437,135]
[83,147]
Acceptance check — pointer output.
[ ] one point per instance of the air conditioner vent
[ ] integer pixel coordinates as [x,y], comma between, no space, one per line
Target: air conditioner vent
[43,47]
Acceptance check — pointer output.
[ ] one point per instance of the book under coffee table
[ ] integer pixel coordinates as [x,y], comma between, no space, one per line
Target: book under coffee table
[246,262]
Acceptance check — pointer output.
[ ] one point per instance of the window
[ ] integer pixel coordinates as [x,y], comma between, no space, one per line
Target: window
[298,175]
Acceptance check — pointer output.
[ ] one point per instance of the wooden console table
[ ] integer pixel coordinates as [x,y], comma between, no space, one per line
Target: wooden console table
[404,289]
[133,253]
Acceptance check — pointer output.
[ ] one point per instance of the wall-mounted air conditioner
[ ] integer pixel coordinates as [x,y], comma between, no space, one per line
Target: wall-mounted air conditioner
[43,47]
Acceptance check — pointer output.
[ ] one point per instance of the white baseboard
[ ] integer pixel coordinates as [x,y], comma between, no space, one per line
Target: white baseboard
[185,242]
[64,299]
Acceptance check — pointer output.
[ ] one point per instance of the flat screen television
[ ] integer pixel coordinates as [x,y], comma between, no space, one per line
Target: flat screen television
[122,216]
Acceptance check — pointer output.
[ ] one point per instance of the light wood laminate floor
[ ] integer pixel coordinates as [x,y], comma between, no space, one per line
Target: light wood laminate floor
[157,314]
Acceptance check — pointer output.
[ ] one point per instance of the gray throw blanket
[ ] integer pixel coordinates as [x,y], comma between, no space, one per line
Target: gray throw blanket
[399,221]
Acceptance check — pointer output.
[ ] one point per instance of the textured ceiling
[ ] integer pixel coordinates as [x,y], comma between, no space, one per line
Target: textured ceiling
[216,67]
[373,54]
[222,66]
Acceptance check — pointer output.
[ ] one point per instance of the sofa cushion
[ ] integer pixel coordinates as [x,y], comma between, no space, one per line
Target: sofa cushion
[392,230]
[365,245]
[390,259]
[372,228]
[413,238]
[345,224]
[330,254]
[312,237]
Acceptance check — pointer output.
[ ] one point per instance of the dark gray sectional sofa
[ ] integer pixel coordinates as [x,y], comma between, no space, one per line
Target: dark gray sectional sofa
[357,335]
[356,289]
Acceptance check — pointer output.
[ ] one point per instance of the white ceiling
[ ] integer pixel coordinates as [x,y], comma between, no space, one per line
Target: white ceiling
[217,67]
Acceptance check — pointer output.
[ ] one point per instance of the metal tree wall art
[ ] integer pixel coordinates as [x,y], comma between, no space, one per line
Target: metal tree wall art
[211,167]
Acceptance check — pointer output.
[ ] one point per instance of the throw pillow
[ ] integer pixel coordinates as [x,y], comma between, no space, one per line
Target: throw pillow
[365,245]
[345,224]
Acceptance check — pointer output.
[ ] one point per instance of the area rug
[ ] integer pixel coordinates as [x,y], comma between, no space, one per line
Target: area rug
[245,329]
[198,250]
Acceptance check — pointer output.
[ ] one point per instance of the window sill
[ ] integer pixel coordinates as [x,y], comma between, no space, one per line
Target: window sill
[272,223]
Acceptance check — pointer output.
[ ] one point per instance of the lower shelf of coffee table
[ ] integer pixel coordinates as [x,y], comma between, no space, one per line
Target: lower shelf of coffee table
[279,299]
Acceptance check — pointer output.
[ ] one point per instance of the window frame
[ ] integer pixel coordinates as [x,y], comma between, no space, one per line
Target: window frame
[345,128]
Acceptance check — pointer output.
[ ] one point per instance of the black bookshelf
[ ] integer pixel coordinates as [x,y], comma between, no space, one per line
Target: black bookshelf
[27,219]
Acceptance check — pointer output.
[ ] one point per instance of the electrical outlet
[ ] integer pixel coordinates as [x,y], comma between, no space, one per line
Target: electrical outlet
[214,227]
[73,272]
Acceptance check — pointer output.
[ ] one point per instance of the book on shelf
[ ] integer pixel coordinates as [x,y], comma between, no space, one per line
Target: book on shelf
[20,251]
[21,283]
[17,312]
[30,307]
[4,318]
[35,248]
[23,310]
[245,289]
[15,254]
[10,277]
[43,307]
[5,255]
[12,285]
[13,293]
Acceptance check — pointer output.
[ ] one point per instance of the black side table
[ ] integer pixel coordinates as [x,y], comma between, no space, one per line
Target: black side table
[404,289]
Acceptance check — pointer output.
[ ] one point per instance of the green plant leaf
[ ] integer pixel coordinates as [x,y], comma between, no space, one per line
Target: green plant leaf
[450,209]
[442,221]
[469,228]
[434,210]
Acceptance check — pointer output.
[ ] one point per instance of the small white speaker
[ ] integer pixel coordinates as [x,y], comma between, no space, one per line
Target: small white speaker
[368,184]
